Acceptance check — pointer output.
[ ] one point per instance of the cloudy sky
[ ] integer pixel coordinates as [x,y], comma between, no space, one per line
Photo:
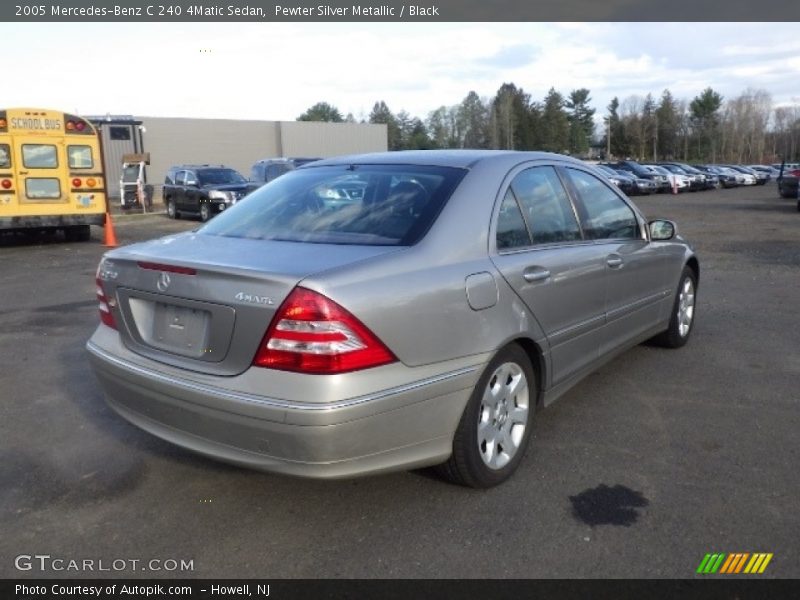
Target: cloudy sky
[274,71]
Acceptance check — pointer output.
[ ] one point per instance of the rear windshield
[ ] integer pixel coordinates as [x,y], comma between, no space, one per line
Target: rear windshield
[373,205]
[219,176]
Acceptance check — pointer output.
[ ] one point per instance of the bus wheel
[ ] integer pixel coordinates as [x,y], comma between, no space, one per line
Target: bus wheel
[78,233]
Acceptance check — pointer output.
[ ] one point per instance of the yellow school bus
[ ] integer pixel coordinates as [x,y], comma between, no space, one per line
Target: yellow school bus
[51,172]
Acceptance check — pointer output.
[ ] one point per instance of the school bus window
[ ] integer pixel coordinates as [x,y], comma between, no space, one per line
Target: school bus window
[5,156]
[41,188]
[80,157]
[39,156]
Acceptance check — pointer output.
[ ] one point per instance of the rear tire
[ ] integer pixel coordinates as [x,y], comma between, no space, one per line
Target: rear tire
[496,425]
[682,320]
[78,233]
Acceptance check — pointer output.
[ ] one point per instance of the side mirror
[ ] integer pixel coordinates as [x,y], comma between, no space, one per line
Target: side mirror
[662,230]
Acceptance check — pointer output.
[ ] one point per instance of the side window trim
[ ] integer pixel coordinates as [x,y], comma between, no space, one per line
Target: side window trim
[572,195]
[522,212]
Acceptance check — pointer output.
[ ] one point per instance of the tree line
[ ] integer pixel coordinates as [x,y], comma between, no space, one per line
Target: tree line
[746,129]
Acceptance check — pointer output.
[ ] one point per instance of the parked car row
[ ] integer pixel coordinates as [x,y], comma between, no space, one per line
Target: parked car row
[205,190]
[635,178]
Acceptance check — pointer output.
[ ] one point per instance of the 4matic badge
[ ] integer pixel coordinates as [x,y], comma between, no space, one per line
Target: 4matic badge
[254,299]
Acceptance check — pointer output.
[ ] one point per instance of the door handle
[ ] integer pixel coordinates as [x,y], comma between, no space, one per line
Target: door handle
[614,261]
[534,274]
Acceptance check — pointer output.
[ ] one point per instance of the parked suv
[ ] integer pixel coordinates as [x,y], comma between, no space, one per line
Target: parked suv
[268,169]
[202,190]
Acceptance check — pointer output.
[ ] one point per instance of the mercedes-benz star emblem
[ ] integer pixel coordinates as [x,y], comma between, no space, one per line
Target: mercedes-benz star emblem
[163,282]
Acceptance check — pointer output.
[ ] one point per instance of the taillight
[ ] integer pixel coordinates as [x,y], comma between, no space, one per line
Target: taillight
[76,183]
[104,305]
[6,184]
[312,334]
[91,182]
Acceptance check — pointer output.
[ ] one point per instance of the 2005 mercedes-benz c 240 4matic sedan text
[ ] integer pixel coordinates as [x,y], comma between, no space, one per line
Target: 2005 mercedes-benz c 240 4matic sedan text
[387,311]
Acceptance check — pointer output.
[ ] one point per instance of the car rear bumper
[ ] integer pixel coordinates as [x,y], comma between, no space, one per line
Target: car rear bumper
[400,427]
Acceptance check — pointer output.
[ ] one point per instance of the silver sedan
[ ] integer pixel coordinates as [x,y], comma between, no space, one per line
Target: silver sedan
[420,322]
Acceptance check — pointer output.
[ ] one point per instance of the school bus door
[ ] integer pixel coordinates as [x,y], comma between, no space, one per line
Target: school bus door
[41,171]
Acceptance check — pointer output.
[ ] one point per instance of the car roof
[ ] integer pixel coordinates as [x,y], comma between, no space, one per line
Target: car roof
[464,159]
[199,167]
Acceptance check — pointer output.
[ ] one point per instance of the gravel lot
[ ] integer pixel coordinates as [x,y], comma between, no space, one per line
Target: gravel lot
[655,460]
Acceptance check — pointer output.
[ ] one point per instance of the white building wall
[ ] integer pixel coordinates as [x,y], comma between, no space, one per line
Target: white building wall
[313,138]
[238,144]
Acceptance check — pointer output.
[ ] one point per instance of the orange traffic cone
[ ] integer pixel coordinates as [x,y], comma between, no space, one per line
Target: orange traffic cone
[110,236]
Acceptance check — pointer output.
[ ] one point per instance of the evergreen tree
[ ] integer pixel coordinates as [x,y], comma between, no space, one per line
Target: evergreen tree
[705,119]
[581,121]
[668,125]
[473,116]
[554,123]
[381,114]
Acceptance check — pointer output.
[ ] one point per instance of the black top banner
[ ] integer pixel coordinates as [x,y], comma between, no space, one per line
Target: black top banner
[389,11]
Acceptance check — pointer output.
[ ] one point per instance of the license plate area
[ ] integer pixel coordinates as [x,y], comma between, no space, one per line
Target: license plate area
[179,329]
[156,324]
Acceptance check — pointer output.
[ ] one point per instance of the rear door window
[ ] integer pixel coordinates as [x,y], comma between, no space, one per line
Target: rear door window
[546,206]
[5,156]
[604,215]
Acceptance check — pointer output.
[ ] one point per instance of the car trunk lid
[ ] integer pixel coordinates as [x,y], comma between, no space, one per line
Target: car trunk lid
[203,302]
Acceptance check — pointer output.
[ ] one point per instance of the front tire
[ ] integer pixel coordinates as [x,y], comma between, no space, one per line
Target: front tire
[205,212]
[681,322]
[496,424]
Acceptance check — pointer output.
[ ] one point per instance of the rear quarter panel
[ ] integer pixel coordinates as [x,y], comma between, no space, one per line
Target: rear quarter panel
[415,300]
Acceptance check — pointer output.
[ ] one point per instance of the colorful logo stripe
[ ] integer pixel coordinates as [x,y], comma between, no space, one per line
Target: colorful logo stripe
[737,562]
